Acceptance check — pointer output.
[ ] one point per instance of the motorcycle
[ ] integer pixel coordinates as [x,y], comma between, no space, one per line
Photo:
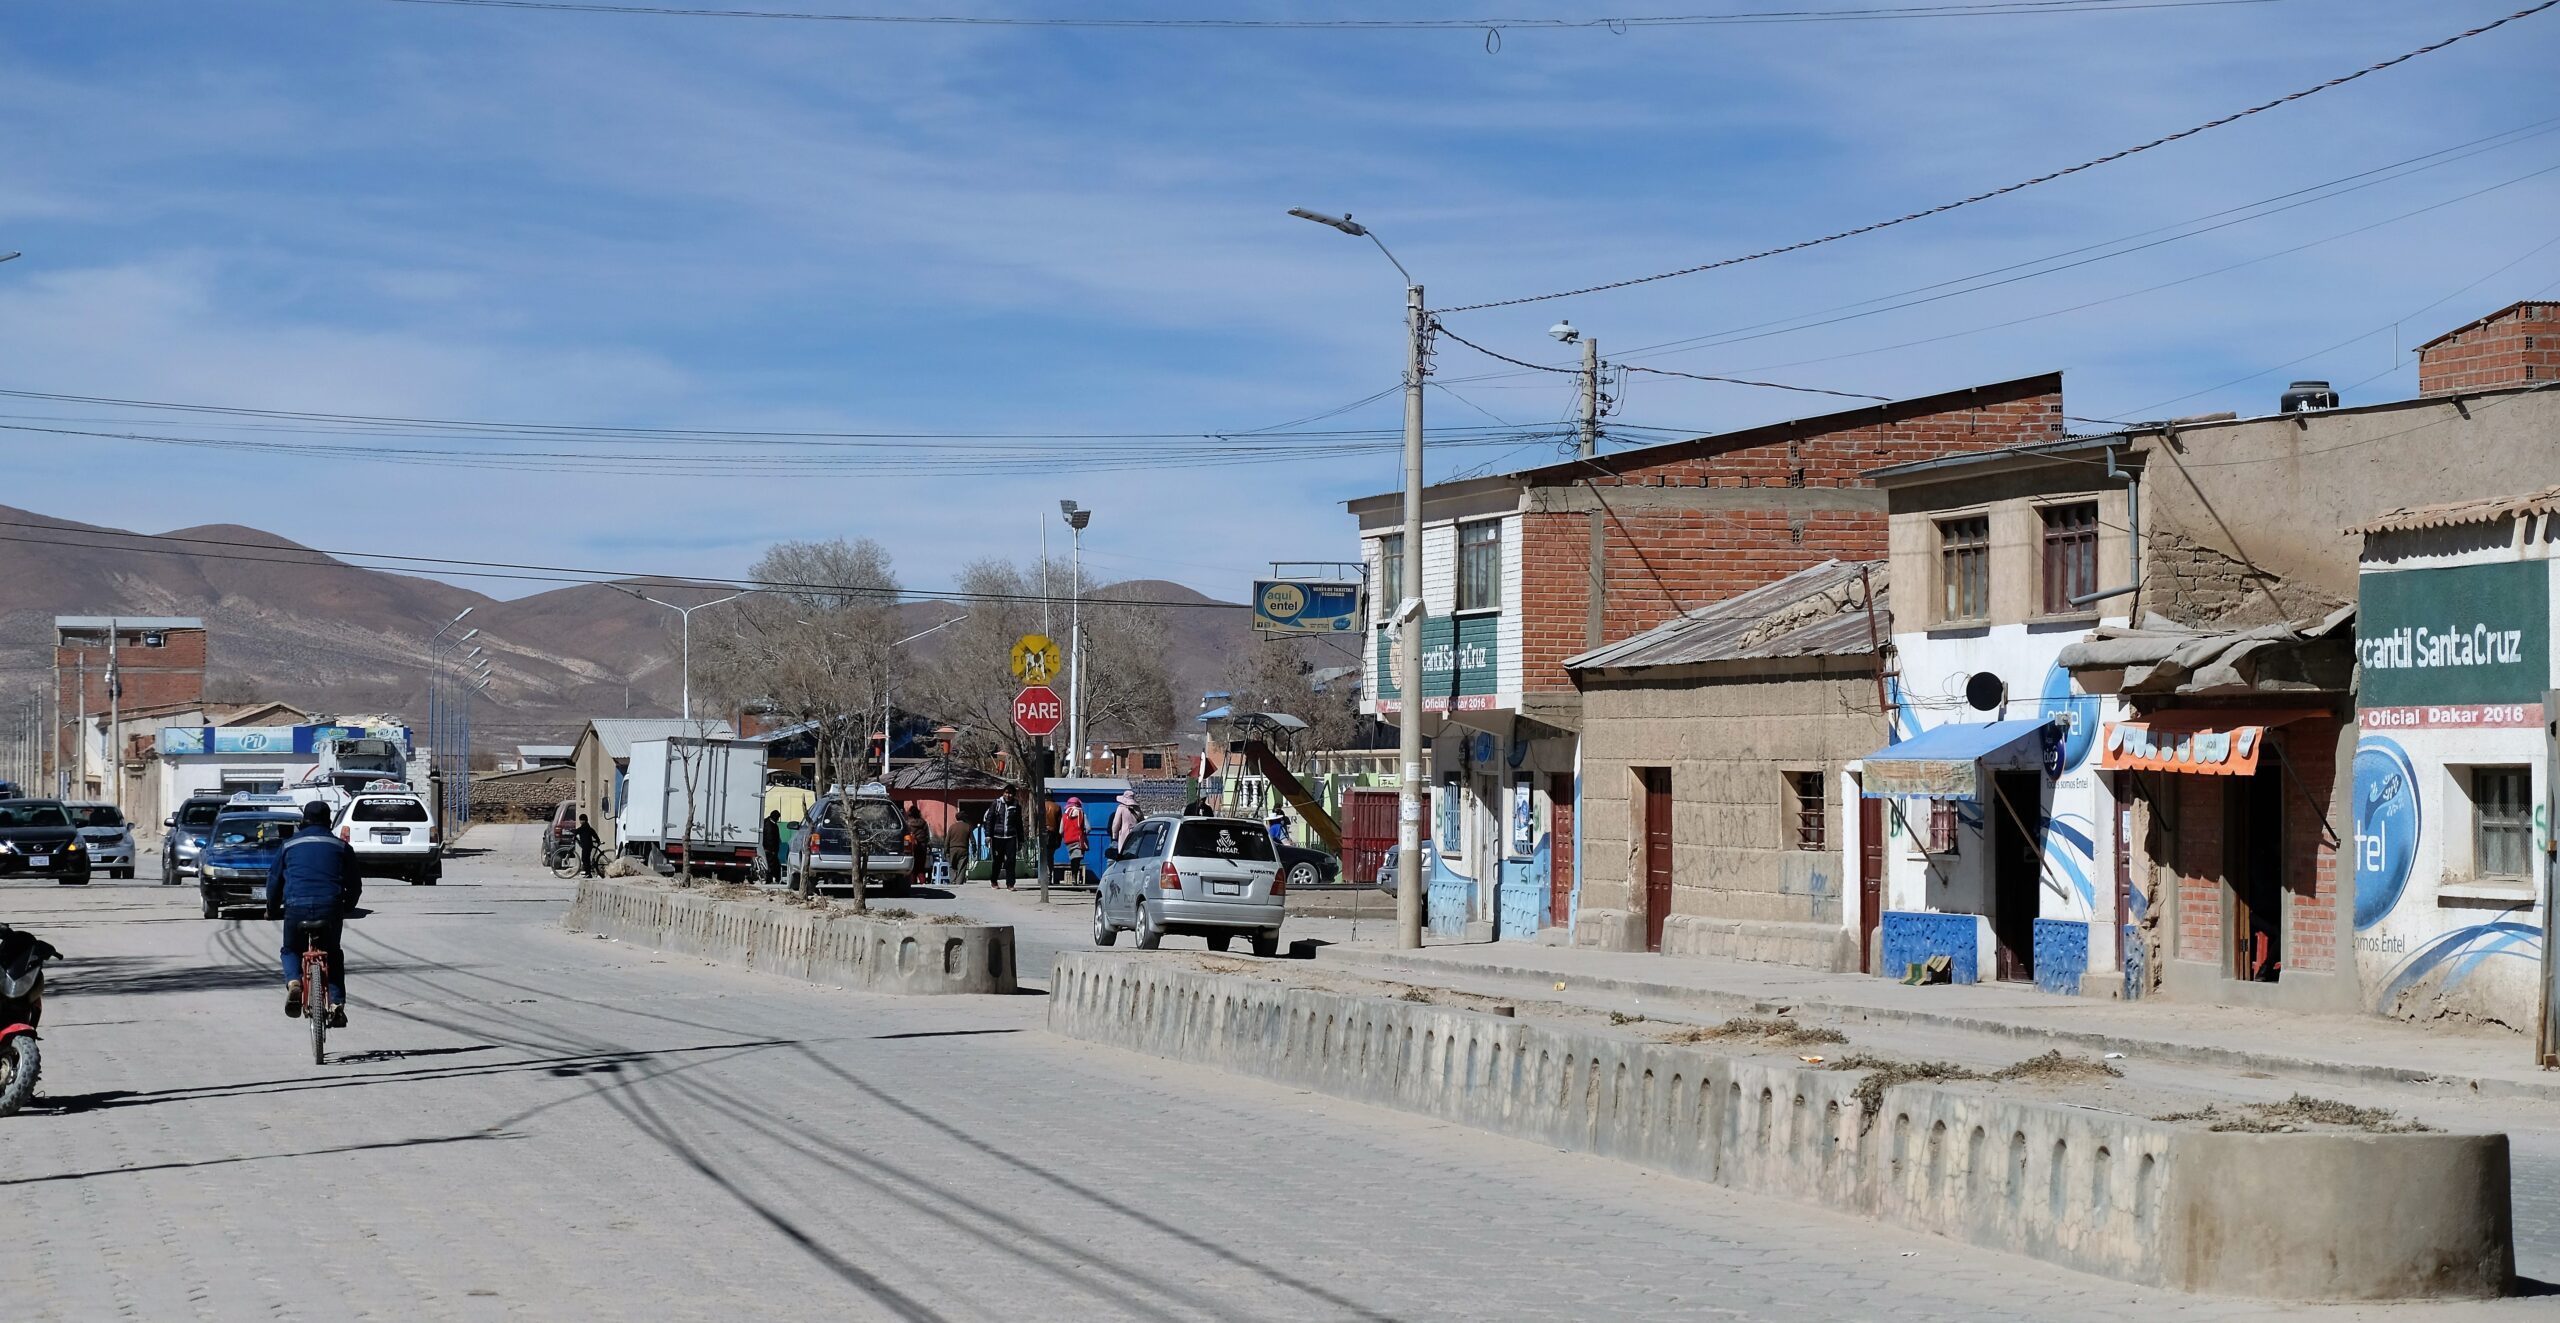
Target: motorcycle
[22,957]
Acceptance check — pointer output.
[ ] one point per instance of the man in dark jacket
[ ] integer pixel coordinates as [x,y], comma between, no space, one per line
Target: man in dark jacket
[1004,841]
[773,845]
[587,840]
[311,886]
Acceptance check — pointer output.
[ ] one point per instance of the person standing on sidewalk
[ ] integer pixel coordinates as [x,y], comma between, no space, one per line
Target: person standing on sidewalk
[1004,841]
[1071,830]
[1124,819]
[773,845]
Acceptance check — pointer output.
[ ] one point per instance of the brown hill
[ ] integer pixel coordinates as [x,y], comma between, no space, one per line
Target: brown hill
[291,623]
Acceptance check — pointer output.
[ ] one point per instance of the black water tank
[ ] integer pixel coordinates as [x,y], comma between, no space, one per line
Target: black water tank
[2306,395]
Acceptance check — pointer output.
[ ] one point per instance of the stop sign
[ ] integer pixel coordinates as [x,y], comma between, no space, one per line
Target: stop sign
[1037,710]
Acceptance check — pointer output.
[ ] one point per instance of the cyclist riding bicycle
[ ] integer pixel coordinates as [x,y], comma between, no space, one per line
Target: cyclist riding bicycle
[311,887]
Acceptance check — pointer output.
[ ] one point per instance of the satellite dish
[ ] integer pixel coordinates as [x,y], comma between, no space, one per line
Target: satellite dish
[1985,691]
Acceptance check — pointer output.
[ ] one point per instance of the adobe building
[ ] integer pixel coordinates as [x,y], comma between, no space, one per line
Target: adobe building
[1714,756]
[1523,571]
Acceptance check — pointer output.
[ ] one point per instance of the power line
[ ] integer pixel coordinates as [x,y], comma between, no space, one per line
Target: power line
[2046,178]
[1745,381]
[1664,372]
[1492,26]
[179,545]
[2169,284]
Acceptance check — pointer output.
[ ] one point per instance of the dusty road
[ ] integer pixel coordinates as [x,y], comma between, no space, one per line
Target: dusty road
[540,1125]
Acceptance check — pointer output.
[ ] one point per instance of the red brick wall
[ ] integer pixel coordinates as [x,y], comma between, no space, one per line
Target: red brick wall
[2311,863]
[2495,354]
[2197,859]
[171,673]
[1660,562]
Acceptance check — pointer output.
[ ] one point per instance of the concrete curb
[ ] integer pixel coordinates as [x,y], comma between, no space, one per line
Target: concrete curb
[1399,962]
[851,950]
[2334,1216]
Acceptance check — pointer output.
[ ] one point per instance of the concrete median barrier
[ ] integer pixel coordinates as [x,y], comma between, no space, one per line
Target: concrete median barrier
[907,956]
[2318,1215]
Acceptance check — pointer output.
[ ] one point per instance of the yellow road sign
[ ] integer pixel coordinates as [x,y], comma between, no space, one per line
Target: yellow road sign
[1035,659]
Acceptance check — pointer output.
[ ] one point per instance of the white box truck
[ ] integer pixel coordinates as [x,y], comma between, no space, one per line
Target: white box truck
[694,797]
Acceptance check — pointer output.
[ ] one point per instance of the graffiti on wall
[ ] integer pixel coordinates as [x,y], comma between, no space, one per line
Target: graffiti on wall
[2387,823]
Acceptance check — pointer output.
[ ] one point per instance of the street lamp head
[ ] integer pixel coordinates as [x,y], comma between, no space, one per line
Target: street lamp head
[457,619]
[467,636]
[1077,519]
[5,257]
[1342,222]
[1066,507]
[1564,332]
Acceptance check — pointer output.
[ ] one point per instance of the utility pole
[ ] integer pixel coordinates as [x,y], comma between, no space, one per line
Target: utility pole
[115,723]
[1408,613]
[1409,879]
[1590,397]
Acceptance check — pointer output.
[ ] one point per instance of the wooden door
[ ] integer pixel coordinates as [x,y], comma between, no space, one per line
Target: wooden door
[1870,879]
[1560,826]
[1657,854]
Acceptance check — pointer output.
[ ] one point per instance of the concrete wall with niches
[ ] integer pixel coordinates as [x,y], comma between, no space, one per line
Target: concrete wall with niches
[2298,1216]
[876,955]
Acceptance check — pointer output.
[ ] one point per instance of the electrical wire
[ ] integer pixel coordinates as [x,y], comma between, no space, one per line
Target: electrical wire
[171,544]
[2048,177]
[2166,284]
[1497,25]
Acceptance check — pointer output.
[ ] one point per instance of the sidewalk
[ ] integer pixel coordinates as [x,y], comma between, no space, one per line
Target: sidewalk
[2343,1048]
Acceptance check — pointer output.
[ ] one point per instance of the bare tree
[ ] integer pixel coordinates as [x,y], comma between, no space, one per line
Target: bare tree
[1128,693]
[818,655]
[1280,675]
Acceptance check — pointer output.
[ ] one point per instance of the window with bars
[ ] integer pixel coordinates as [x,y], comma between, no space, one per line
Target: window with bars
[1805,797]
[2070,555]
[1942,826]
[1964,568]
[1480,566]
[1390,592]
[2502,822]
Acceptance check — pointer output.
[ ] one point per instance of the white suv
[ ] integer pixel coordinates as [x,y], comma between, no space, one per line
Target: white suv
[393,836]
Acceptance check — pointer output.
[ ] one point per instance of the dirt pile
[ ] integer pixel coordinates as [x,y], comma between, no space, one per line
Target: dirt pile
[1746,1031]
[2299,1113]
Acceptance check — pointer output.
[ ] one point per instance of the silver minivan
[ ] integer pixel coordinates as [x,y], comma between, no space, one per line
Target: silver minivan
[1210,877]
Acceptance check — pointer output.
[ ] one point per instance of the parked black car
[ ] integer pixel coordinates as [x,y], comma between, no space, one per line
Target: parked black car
[1301,866]
[36,837]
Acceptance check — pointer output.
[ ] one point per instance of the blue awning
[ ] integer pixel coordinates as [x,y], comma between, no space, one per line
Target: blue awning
[1946,762]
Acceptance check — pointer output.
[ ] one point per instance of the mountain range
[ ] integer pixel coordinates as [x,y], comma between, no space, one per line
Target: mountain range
[290,623]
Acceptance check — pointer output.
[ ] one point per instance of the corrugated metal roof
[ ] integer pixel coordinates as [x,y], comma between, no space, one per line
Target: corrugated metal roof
[2452,513]
[617,733]
[1816,612]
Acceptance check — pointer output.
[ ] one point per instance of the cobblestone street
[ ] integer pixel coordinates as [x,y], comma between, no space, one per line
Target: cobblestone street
[529,1123]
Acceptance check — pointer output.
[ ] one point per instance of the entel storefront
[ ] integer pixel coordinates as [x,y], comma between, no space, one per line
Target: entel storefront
[2452,791]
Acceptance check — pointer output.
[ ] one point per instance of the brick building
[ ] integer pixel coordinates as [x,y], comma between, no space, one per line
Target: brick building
[2518,345]
[1525,570]
[155,661]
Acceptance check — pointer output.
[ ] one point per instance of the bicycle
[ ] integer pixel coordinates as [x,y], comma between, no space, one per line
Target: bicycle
[566,863]
[316,1006]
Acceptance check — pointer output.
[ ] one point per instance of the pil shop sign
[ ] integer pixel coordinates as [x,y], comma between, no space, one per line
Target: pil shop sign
[2454,636]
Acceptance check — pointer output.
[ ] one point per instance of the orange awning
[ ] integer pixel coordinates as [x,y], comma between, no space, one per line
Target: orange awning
[2207,741]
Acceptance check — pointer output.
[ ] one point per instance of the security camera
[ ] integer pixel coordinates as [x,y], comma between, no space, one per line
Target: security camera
[1564,332]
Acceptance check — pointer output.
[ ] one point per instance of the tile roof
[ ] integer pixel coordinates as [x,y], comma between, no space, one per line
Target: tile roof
[2451,513]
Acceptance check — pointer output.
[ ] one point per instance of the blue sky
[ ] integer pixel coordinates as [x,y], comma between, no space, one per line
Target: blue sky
[365,207]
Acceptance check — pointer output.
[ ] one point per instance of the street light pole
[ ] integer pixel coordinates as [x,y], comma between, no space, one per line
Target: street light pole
[686,612]
[1408,613]
[1076,520]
